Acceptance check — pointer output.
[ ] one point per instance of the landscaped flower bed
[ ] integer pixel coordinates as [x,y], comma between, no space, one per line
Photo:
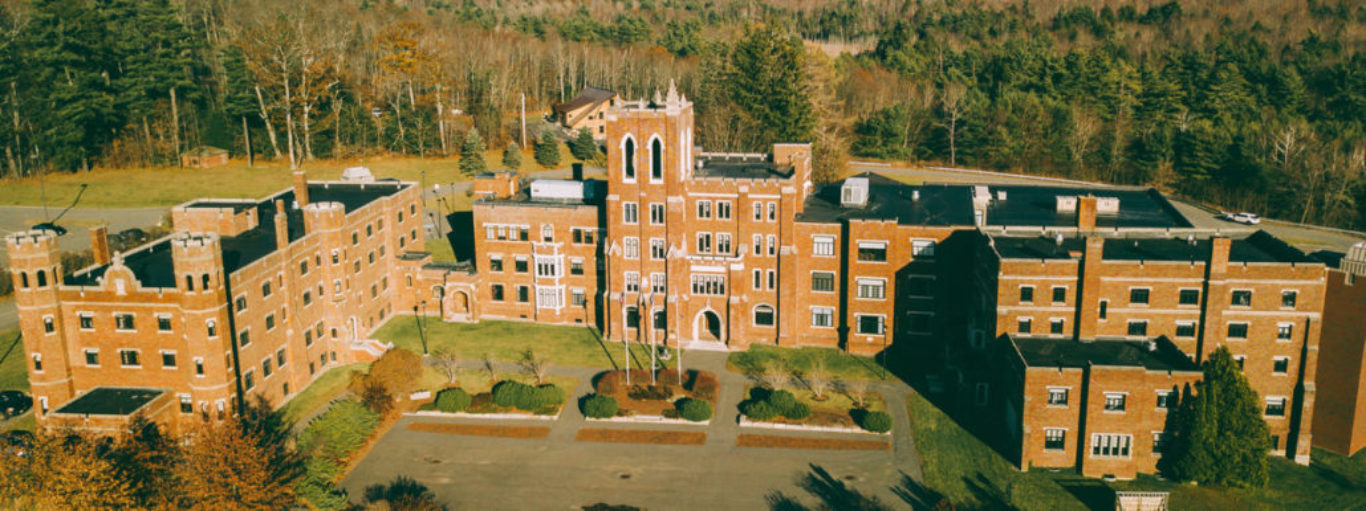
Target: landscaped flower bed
[692,397]
[801,407]
[474,393]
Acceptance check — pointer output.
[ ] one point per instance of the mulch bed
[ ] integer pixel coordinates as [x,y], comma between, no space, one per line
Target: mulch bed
[792,442]
[636,436]
[641,398]
[481,430]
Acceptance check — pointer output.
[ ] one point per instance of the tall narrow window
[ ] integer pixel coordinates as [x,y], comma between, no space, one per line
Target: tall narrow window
[656,159]
[629,159]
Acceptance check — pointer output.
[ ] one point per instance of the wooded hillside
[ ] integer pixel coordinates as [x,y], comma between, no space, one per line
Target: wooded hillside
[1252,104]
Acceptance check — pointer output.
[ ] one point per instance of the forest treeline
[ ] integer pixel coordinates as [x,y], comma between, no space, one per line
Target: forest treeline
[1250,104]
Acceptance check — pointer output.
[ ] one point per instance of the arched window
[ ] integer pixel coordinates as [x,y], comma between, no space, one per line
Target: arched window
[763,315]
[632,317]
[656,159]
[23,280]
[212,327]
[629,158]
[205,285]
[660,321]
[42,278]
[189,282]
[438,292]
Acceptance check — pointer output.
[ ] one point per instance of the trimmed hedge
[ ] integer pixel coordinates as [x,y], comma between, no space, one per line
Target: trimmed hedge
[769,403]
[515,394]
[598,406]
[877,422]
[758,410]
[695,410]
[338,431]
[453,400]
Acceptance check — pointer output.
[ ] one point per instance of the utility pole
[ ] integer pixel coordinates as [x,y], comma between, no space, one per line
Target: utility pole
[175,127]
[523,120]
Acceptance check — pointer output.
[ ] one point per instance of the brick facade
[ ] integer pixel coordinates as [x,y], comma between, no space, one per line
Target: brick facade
[1340,417]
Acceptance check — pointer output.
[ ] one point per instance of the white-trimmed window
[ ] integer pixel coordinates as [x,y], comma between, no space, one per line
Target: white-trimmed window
[549,266]
[37,362]
[872,289]
[1057,396]
[123,322]
[632,282]
[211,328]
[578,297]
[758,245]
[870,324]
[550,297]
[130,358]
[764,315]
[1275,406]
[1059,294]
[709,285]
[658,283]
[822,317]
[49,325]
[1111,445]
[1288,298]
[658,250]
[722,243]
[758,211]
[576,266]
[186,404]
[1054,439]
[1185,329]
[1138,328]
[1159,442]
[1139,295]
[1026,294]
[1237,330]
[1024,325]
[630,213]
[92,357]
[1280,365]
[270,322]
[199,366]
[723,210]
[704,243]
[1190,296]
[168,360]
[1241,298]
[1166,400]
[773,212]
[1115,401]
[657,213]
[87,320]
[249,379]
[1284,331]
[823,246]
[872,251]
[773,279]
[1056,326]
[704,210]
[547,233]
[758,279]
[772,245]
[628,159]
[922,248]
[631,247]
[823,281]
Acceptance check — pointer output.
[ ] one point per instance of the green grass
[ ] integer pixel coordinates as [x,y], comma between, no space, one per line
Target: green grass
[13,364]
[972,475]
[1332,481]
[506,341]
[441,250]
[841,365]
[323,390]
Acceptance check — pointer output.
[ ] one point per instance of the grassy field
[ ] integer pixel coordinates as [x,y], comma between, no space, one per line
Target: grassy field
[840,364]
[970,474]
[13,366]
[323,390]
[1331,481]
[167,186]
[506,341]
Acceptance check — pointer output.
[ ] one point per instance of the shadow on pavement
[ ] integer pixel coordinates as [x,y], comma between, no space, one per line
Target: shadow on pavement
[833,494]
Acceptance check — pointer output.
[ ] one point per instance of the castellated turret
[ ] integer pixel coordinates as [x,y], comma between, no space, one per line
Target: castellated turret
[37,271]
[324,216]
[198,261]
[36,265]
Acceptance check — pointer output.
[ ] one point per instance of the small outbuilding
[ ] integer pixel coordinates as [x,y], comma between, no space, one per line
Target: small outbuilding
[204,157]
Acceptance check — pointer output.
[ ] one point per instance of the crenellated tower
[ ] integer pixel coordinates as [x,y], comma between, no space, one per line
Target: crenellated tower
[37,271]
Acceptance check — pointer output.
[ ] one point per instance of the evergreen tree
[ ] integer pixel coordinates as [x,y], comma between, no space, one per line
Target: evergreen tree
[547,149]
[472,153]
[512,156]
[769,86]
[583,147]
[1218,436]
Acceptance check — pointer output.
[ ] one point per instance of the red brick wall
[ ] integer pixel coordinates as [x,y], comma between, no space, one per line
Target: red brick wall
[1340,414]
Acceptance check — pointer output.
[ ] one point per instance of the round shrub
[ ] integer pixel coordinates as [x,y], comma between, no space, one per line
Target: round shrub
[759,410]
[598,406]
[759,393]
[797,411]
[453,400]
[877,422]
[782,401]
[695,410]
[512,394]
[545,395]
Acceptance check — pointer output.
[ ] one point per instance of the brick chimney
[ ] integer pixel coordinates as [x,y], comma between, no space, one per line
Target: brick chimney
[1088,296]
[301,187]
[99,244]
[496,185]
[1086,213]
[281,225]
[1219,247]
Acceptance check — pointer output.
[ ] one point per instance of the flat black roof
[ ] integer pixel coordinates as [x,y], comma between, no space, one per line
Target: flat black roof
[593,190]
[740,168]
[236,206]
[1024,205]
[110,401]
[1043,352]
[1258,247]
[152,264]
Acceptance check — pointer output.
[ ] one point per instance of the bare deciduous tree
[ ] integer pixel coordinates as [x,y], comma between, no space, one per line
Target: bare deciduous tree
[448,362]
[857,390]
[774,375]
[490,366]
[536,365]
[818,379]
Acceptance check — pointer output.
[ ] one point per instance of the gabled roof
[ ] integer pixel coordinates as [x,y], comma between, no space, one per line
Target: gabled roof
[589,96]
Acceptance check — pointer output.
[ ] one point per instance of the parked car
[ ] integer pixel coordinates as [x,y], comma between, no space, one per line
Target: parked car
[49,226]
[1243,218]
[127,238]
[13,402]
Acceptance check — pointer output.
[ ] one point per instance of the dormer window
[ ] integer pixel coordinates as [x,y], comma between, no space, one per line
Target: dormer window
[854,193]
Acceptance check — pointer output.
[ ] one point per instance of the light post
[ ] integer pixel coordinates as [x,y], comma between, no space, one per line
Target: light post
[418,320]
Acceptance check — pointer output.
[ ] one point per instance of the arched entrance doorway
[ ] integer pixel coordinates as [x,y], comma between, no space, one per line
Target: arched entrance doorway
[460,306]
[707,326]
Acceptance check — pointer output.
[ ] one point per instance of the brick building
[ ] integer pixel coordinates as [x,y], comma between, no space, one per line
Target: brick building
[1340,417]
[247,298]
[1065,314]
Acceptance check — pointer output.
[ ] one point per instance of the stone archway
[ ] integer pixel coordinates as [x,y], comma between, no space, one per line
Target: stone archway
[460,303]
[707,326]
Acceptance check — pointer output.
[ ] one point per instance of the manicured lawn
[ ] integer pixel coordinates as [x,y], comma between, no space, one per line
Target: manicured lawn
[13,363]
[972,475]
[507,341]
[441,251]
[323,390]
[166,186]
[833,411]
[475,381]
[1331,481]
[841,365]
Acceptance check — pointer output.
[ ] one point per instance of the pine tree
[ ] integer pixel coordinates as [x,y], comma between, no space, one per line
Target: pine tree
[512,156]
[769,85]
[472,154]
[583,147]
[547,149]
[1218,436]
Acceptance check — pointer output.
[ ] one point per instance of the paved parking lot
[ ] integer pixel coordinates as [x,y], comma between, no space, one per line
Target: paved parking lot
[558,472]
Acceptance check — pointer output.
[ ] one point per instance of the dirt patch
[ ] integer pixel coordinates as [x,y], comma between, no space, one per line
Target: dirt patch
[791,442]
[636,436]
[642,398]
[481,430]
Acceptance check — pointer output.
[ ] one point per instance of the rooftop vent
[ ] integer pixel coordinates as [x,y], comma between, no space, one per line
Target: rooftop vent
[357,175]
[1000,195]
[557,189]
[915,194]
[854,193]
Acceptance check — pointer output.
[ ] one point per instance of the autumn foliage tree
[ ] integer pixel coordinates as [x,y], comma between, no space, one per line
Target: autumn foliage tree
[225,469]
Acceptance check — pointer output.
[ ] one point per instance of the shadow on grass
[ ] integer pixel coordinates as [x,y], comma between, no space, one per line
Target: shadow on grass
[602,343]
[918,495]
[1094,494]
[832,493]
[10,351]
